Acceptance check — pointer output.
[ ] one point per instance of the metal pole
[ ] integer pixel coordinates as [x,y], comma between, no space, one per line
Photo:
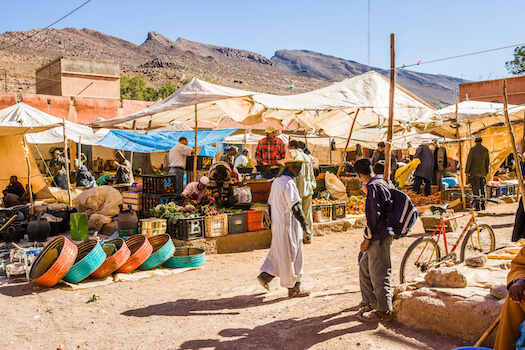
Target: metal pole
[70,202]
[513,143]
[386,174]
[461,170]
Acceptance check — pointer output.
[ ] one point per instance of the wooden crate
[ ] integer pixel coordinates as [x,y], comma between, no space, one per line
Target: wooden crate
[134,199]
[325,210]
[338,211]
[216,226]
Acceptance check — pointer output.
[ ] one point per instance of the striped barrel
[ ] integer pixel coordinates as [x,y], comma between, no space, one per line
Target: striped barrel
[140,251]
[113,262]
[53,262]
[186,257]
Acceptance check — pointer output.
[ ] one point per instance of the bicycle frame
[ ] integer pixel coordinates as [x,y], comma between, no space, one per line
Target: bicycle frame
[441,229]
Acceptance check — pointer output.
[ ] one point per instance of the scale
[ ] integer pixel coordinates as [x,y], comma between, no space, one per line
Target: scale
[20,261]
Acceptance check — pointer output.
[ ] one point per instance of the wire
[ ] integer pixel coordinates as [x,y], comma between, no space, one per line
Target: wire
[39,31]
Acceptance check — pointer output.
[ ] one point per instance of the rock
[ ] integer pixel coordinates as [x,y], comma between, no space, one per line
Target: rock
[499,292]
[476,261]
[446,277]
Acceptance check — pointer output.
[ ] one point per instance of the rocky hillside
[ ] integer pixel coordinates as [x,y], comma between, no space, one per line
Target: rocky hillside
[160,59]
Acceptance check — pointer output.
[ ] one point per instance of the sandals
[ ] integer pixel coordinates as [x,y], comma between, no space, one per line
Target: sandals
[373,316]
[366,308]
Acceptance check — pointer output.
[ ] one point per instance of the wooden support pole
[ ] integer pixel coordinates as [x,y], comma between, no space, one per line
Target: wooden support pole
[347,142]
[195,148]
[513,143]
[460,154]
[29,187]
[66,150]
[388,146]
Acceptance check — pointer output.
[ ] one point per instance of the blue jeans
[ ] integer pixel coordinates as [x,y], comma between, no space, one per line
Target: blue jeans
[417,185]
[179,183]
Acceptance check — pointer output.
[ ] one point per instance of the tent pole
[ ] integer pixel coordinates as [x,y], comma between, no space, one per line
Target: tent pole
[461,182]
[347,142]
[388,146]
[29,187]
[513,143]
[330,148]
[79,152]
[70,202]
[195,149]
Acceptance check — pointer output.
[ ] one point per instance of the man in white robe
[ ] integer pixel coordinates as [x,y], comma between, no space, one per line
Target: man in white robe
[285,258]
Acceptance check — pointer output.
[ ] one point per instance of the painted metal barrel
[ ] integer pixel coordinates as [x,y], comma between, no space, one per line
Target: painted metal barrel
[53,262]
[117,253]
[89,258]
[186,257]
[140,249]
[163,249]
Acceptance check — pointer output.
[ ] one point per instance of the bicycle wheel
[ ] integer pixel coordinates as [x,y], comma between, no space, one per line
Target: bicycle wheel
[418,258]
[476,242]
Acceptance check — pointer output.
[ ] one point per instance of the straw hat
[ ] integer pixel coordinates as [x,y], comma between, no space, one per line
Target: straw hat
[287,162]
[269,129]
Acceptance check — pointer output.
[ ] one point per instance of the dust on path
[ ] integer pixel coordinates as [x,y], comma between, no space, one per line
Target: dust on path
[222,306]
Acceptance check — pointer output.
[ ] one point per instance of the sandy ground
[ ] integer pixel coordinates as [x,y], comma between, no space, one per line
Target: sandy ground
[222,306]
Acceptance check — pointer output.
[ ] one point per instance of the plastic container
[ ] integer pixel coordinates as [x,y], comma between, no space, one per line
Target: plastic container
[322,212]
[79,227]
[150,201]
[236,223]
[338,211]
[216,226]
[140,249]
[254,220]
[89,258]
[114,258]
[159,184]
[153,227]
[163,249]
[187,229]
[186,257]
[53,262]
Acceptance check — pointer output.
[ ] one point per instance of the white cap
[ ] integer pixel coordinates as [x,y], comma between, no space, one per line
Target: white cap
[204,180]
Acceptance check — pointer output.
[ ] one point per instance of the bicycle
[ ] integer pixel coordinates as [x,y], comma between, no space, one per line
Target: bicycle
[424,253]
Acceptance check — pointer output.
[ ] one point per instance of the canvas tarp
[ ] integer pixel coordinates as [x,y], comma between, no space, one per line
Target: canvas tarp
[27,116]
[162,141]
[331,108]
[473,116]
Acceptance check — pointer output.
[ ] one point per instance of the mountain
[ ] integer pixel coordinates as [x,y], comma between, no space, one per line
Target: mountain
[432,88]
[159,59]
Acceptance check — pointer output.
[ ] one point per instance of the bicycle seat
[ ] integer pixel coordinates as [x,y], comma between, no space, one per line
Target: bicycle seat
[441,208]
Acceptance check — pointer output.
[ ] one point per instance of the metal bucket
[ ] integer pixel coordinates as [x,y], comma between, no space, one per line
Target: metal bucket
[186,257]
[140,251]
[53,262]
[89,258]
[163,249]
[113,261]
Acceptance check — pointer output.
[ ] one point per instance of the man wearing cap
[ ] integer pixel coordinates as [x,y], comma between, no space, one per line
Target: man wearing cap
[177,162]
[270,149]
[221,184]
[229,155]
[285,258]
[478,166]
[305,183]
[124,172]
[56,163]
[196,191]
[241,160]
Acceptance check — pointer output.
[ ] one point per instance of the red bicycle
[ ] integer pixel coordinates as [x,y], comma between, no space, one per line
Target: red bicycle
[425,253]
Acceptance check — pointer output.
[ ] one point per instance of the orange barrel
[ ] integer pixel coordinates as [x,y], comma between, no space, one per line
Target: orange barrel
[115,257]
[140,249]
[53,262]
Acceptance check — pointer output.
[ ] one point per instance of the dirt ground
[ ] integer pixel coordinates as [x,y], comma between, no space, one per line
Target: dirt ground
[222,306]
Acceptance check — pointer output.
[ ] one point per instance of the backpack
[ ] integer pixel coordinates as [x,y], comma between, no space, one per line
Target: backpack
[403,215]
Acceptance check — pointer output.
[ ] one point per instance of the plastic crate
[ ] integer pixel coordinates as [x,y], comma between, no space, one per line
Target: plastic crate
[186,229]
[236,223]
[512,189]
[254,220]
[496,191]
[152,227]
[338,211]
[150,201]
[159,184]
[216,226]
[326,212]
[328,168]
[203,163]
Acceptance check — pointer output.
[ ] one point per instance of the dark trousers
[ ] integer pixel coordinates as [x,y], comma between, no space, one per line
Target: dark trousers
[179,180]
[478,188]
[375,274]
[417,185]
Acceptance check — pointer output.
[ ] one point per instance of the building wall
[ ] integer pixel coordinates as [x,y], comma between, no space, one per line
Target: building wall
[492,90]
[85,85]
[48,80]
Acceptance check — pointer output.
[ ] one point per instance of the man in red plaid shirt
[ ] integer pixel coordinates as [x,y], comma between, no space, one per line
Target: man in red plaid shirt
[270,149]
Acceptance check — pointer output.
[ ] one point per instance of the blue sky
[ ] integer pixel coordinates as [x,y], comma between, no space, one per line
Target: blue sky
[425,30]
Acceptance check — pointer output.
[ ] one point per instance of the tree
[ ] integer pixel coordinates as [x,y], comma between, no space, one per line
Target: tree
[135,89]
[167,89]
[517,65]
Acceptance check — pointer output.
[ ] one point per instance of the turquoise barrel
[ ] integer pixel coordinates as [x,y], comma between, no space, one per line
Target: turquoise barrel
[186,257]
[163,249]
[89,258]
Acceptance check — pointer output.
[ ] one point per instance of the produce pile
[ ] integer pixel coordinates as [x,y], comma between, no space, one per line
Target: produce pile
[173,212]
[316,201]
[419,199]
[355,205]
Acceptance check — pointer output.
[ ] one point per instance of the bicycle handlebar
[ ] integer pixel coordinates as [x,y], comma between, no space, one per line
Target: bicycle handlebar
[476,197]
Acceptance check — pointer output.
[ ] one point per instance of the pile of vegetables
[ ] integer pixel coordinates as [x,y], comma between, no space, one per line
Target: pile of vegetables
[355,205]
[420,200]
[173,212]
[247,166]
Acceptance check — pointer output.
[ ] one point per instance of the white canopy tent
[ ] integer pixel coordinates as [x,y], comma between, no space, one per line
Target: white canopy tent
[330,108]
[24,115]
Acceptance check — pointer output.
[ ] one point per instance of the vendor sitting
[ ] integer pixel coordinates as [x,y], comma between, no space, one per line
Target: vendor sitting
[84,178]
[196,191]
[124,173]
[221,184]
[60,180]
[13,192]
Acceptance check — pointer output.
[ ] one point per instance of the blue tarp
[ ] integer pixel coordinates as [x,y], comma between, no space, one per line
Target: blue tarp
[162,141]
